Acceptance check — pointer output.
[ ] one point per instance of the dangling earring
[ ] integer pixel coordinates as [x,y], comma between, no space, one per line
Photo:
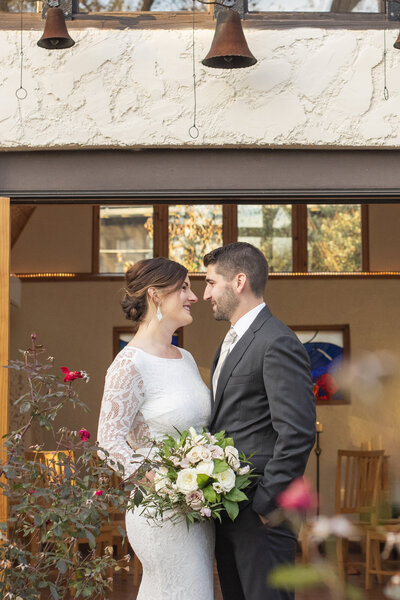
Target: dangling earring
[159,313]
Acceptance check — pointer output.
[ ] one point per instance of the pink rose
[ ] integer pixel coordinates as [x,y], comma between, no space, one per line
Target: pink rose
[216,452]
[298,496]
[195,499]
[85,435]
[205,511]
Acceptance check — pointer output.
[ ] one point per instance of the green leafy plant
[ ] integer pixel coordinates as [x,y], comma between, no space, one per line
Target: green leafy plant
[58,500]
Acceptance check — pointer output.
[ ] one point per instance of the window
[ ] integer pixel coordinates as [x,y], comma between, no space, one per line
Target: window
[96,6]
[261,6]
[269,228]
[334,237]
[193,230]
[314,238]
[319,6]
[126,236]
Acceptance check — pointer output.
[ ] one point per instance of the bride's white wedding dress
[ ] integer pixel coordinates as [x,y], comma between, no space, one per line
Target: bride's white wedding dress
[146,396]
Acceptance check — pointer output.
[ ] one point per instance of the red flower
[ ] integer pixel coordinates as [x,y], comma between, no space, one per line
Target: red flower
[325,387]
[298,496]
[32,491]
[71,375]
[99,492]
[85,435]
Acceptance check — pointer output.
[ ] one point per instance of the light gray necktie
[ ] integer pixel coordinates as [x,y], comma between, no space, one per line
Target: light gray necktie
[226,344]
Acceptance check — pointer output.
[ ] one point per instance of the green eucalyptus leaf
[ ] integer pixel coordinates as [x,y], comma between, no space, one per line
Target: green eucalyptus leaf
[231,508]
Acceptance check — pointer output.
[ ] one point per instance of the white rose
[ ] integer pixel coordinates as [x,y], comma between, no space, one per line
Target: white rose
[244,470]
[162,486]
[205,467]
[232,457]
[205,454]
[187,481]
[194,455]
[217,488]
[226,480]
[216,452]
[161,472]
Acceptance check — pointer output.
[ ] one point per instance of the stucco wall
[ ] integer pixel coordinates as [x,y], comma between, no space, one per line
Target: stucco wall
[133,88]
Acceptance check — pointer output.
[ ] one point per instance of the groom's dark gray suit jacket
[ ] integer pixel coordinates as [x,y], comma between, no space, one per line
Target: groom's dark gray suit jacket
[264,400]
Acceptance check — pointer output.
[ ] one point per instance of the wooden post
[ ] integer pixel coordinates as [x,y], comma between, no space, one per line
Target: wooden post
[4,327]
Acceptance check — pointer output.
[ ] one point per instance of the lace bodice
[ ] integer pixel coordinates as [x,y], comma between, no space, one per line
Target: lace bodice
[146,397]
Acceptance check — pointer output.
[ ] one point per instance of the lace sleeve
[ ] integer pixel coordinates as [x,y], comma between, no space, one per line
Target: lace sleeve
[122,398]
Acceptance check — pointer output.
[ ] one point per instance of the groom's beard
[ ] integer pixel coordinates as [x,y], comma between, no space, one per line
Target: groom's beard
[226,305]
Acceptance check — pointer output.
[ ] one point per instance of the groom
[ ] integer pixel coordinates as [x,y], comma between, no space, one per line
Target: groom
[262,397]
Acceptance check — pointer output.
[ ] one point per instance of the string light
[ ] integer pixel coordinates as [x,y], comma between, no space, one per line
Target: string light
[283,274]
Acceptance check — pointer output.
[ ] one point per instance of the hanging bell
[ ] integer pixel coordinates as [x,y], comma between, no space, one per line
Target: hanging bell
[55,35]
[229,49]
[397,43]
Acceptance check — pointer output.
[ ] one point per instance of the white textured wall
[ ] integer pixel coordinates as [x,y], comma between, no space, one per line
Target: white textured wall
[133,88]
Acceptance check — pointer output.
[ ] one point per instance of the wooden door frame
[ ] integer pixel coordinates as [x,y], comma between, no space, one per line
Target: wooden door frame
[5,243]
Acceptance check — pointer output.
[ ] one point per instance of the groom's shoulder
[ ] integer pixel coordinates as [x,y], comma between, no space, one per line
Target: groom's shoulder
[272,328]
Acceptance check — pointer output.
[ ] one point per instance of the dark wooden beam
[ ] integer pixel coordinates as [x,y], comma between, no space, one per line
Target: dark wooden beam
[183,20]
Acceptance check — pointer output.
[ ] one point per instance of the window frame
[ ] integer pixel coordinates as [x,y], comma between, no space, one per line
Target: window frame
[230,233]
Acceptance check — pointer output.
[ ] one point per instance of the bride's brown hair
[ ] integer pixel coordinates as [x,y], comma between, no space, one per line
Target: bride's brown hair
[160,273]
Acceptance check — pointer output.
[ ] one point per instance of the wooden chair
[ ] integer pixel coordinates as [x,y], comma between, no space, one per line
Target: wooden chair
[358,482]
[373,562]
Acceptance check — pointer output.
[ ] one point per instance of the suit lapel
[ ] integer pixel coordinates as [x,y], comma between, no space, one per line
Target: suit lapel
[234,357]
[213,367]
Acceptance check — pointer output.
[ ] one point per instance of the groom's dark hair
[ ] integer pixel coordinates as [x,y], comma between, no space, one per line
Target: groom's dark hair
[240,257]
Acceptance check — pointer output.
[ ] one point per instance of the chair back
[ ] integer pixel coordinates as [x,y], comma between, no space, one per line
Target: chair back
[358,481]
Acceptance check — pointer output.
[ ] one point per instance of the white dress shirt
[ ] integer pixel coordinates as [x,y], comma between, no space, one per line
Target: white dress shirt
[242,325]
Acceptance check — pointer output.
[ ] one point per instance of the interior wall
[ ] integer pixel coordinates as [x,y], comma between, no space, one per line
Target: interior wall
[57,238]
[75,321]
[384,237]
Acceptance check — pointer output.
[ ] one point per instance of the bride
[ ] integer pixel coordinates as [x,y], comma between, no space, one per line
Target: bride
[153,388]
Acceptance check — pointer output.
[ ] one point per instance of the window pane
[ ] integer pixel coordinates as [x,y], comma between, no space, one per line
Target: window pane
[14,6]
[126,236]
[269,228]
[333,6]
[334,237]
[140,5]
[193,231]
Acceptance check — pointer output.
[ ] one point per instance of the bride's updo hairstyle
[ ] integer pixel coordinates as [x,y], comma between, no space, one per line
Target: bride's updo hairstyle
[159,273]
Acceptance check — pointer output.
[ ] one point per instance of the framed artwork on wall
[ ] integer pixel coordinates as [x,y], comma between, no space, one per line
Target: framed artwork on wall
[123,335]
[327,346]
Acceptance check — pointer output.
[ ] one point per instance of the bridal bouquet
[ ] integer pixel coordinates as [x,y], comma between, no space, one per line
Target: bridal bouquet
[197,476]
